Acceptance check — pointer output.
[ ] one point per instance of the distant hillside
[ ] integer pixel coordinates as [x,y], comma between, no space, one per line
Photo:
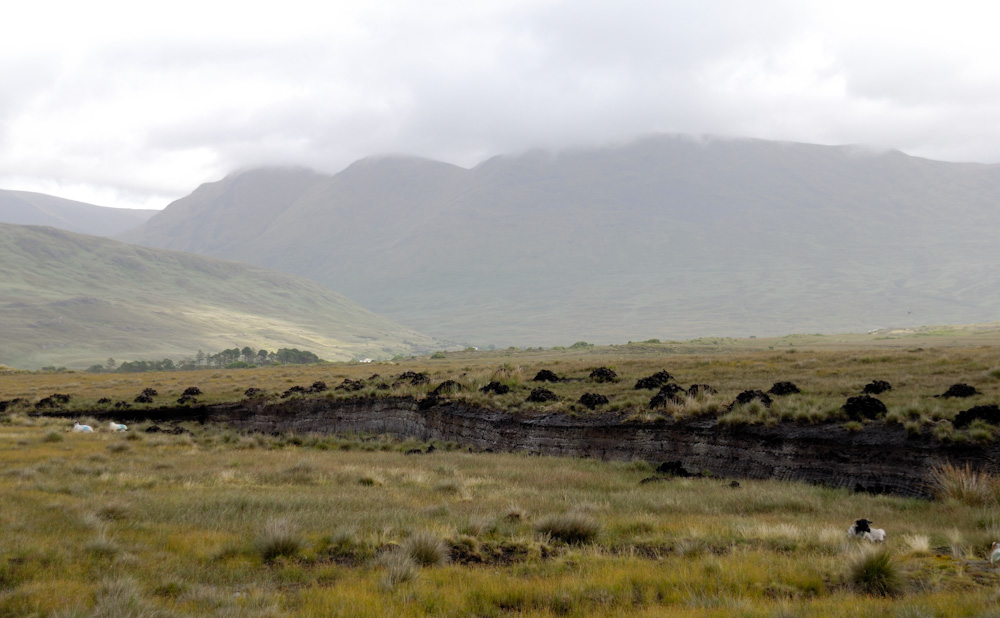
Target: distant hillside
[27,208]
[73,300]
[665,237]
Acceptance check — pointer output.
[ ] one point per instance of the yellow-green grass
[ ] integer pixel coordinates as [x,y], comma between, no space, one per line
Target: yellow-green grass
[178,525]
[74,300]
[828,370]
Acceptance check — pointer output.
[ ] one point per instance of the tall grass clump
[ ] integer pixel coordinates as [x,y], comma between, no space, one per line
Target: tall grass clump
[277,539]
[399,568]
[122,598]
[965,485]
[572,528]
[345,545]
[873,572]
[102,547]
[509,375]
[918,543]
[426,549]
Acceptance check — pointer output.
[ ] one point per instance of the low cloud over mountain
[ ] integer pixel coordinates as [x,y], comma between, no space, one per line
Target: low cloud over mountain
[664,237]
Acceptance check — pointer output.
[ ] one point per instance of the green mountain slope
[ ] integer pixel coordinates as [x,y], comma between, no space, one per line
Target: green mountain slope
[75,300]
[28,208]
[664,237]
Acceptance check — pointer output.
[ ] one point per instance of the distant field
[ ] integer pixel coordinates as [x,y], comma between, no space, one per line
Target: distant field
[919,365]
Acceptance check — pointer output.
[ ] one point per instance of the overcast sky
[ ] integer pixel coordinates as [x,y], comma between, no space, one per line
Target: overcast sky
[129,104]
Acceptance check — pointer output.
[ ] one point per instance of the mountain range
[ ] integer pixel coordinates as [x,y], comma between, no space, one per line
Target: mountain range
[75,300]
[29,208]
[664,236]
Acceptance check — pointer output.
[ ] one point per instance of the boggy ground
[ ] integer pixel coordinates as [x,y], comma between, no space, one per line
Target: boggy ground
[827,373]
[738,423]
[212,522]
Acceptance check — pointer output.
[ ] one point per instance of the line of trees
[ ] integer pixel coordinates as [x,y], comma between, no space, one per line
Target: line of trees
[231,359]
[248,358]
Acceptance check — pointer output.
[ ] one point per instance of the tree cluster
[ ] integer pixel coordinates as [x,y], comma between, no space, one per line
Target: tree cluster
[231,359]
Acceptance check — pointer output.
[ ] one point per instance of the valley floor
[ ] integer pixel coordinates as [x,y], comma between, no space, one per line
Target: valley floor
[211,522]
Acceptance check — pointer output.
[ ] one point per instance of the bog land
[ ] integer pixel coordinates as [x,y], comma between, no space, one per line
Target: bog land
[214,519]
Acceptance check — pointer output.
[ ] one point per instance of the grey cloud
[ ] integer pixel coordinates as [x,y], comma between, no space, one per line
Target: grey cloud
[478,79]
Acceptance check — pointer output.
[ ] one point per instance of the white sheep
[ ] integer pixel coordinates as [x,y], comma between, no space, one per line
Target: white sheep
[82,428]
[995,552]
[875,535]
[117,426]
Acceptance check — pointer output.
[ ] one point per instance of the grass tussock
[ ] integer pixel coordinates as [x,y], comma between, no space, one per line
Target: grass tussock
[965,484]
[917,544]
[371,479]
[875,573]
[573,528]
[398,568]
[278,538]
[114,511]
[426,549]
[120,597]
[102,547]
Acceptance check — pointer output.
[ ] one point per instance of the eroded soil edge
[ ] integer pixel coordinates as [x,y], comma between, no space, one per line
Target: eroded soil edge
[880,458]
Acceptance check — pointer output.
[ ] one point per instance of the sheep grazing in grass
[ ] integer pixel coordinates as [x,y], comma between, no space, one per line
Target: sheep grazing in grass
[77,427]
[117,426]
[995,552]
[875,535]
[861,529]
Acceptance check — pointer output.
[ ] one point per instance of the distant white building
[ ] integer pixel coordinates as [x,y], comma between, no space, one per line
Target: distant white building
[365,360]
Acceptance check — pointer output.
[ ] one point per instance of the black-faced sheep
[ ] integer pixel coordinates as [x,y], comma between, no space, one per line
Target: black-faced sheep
[861,529]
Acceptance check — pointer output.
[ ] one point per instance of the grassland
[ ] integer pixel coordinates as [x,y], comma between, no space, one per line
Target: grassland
[215,523]
[212,522]
[919,364]
[73,300]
